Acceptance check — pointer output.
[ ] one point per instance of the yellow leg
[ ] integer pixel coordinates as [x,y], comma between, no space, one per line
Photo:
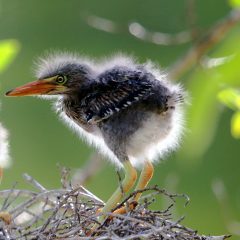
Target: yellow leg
[127,183]
[143,181]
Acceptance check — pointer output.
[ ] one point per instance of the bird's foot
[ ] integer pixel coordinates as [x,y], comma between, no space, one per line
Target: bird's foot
[93,229]
[121,210]
[126,208]
[102,219]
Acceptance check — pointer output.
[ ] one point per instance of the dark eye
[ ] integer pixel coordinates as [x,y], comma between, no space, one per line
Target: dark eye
[61,79]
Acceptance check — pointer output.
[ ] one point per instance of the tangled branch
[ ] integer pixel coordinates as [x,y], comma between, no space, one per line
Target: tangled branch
[69,213]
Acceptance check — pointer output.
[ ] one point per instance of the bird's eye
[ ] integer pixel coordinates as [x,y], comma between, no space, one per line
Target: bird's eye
[61,79]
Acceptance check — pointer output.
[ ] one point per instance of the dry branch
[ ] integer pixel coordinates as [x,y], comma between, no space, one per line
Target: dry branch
[138,31]
[69,214]
[205,43]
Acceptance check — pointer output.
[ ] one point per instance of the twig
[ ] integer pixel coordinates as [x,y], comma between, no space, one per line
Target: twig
[156,190]
[75,210]
[191,18]
[32,181]
[205,43]
[137,30]
[92,166]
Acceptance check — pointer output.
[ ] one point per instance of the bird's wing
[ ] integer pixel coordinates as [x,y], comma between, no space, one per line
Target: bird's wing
[114,93]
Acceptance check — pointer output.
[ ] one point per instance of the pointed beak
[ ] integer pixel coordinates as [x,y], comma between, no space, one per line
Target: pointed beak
[39,87]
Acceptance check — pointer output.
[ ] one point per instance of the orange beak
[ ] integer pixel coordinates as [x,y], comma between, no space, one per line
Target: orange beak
[39,87]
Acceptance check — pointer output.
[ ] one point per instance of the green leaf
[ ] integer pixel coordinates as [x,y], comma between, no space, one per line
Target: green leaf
[8,51]
[230,97]
[235,125]
[234,3]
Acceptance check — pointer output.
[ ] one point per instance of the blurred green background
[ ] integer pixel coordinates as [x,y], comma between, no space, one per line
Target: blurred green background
[207,165]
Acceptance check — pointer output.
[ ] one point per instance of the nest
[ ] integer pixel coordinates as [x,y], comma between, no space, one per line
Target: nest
[69,213]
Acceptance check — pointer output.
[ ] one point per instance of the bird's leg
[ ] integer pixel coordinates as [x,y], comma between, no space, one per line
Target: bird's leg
[126,185]
[143,181]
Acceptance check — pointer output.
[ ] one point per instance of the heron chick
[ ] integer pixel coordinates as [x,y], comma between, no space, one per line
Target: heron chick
[129,111]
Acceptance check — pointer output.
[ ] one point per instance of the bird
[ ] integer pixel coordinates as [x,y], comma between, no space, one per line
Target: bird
[130,111]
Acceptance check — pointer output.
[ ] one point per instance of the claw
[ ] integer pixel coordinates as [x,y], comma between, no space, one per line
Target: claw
[131,206]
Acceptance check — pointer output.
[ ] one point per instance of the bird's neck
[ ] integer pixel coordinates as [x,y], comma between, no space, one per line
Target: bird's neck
[72,103]
[71,106]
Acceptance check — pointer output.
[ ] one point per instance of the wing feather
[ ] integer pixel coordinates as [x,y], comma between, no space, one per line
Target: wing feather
[116,90]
